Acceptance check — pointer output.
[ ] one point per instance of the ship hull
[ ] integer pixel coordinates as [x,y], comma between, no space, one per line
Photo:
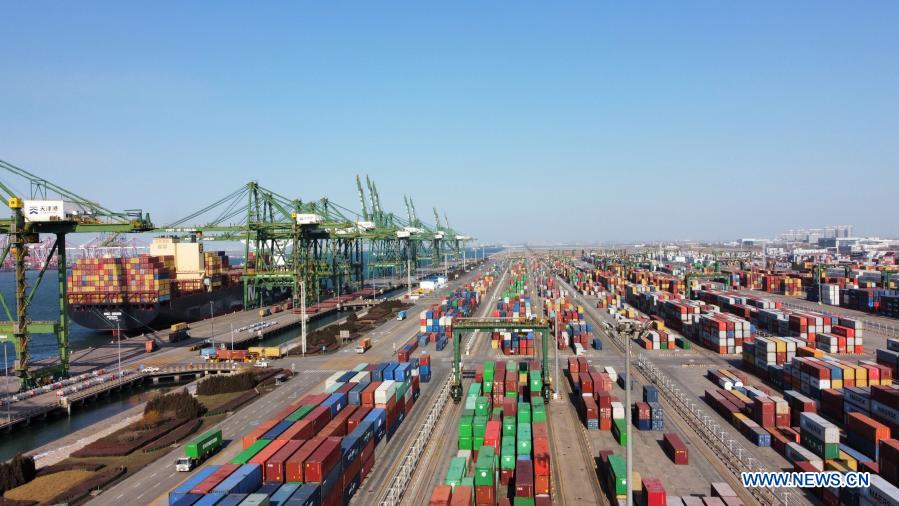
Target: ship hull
[144,317]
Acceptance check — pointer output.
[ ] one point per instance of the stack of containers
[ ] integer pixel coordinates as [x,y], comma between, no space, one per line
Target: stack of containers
[819,436]
[501,438]
[97,280]
[324,441]
[723,333]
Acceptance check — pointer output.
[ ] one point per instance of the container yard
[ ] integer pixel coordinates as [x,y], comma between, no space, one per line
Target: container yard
[613,277]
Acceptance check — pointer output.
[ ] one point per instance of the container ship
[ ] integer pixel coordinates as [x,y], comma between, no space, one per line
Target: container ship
[177,282]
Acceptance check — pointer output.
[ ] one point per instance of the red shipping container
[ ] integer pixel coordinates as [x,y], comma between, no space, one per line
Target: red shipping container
[763,411]
[356,418]
[320,416]
[293,467]
[541,457]
[484,495]
[368,395]
[302,429]
[441,496]
[510,406]
[263,427]
[274,467]
[888,460]
[654,493]
[265,453]
[462,496]
[676,449]
[367,464]
[313,399]
[871,429]
[334,497]
[206,486]
[524,479]
[322,460]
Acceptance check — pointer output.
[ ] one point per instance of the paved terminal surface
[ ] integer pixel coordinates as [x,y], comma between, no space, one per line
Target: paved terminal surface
[650,459]
[152,483]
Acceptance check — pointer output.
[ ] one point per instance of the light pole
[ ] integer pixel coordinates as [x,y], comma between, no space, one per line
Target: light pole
[627,396]
[4,339]
[409,277]
[303,315]
[232,341]
[556,347]
[118,334]
[212,326]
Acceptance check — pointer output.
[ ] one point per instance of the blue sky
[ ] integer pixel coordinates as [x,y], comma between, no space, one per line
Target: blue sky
[523,121]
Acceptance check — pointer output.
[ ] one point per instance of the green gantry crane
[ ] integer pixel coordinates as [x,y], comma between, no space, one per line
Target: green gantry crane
[37,213]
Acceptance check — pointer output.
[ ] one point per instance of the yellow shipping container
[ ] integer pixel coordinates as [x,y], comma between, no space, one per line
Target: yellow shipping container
[851,463]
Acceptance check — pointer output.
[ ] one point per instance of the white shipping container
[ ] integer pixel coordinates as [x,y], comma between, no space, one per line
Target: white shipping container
[795,452]
[611,372]
[332,379]
[821,428]
[617,410]
[880,493]
[361,377]
[385,392]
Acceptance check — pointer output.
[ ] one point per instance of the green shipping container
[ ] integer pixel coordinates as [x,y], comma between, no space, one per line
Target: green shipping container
[523,501]
[251,451]
[465,426]
[524,412]
[485,468]
[829,451]
[300,413]
[471,403]
[482,407]
[477,442]
[523,440]
[507,455]
[536,384]
[509,426]
[474,390]
[466,443]
[619,431]
[538,413]
[455,472]
[479,426]
[204,445]
[468,481]
[488,388]
[618,473]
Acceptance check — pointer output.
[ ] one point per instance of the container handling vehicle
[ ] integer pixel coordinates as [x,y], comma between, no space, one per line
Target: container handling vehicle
[198,450]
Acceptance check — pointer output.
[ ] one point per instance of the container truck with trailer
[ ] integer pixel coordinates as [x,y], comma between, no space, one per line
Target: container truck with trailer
[199,450]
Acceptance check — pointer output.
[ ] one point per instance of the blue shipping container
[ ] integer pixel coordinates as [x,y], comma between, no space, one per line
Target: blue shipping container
[350,488]
[283,494]
[347,376]
[232,500]
[355,395]
[188,499]
[189,485]
[350,446]
[210,500]
[332,479]
[309,494]
[276,431]
[335,403]
[377,374]
[245,480]
[378,416]
[268,488]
